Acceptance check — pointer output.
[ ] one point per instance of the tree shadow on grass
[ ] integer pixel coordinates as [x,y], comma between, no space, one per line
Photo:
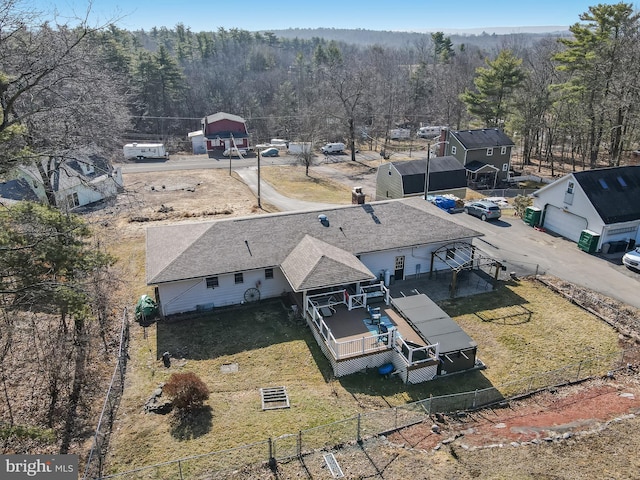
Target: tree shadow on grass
[191,425]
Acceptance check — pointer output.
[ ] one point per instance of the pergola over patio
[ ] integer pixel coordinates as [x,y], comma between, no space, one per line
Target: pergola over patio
[463,257]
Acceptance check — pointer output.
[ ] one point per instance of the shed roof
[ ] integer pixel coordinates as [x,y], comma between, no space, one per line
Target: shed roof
[482,138]
[444,173]
[433,324]
[195,250]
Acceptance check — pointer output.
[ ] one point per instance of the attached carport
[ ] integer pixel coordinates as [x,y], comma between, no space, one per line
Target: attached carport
[457,349]
[563,222]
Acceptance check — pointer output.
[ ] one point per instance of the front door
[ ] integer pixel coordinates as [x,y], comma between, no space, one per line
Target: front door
[398,274]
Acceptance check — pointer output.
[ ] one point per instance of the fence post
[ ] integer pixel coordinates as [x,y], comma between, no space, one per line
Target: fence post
[180,469]
[299,442]
[395,419]
[579,368]
[475,397]
[358,434]
[272,456]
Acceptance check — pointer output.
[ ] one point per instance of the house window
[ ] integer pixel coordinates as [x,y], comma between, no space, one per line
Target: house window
[72,200]
[268,273]
[453,150]
[505,167]
[212,282]
[239,278]
[570,187]
[451,253]
[489,152]
[503,150]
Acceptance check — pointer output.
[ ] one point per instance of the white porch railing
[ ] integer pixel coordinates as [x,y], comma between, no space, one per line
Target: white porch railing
[379,290]
[414,355]
[347,348]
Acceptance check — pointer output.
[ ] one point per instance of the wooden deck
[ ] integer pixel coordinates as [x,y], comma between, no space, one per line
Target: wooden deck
[348,325]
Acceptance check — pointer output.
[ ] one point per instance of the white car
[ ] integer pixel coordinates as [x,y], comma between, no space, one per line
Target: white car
[632,259]
[234,152]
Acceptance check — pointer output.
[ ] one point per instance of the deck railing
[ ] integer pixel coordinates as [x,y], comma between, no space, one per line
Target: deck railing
[347,348]
[415,355]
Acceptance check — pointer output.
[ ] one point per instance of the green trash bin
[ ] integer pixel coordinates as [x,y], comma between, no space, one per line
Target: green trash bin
[588,241]
[532,216]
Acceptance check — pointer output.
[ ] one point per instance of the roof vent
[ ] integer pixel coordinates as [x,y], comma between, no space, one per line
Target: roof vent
[323,220]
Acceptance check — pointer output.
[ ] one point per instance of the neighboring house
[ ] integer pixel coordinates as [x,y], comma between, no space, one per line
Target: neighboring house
[328,260]
[484,153]
[17,190]
[75,183]
[605,202]
[407,179]
[198,145]
[222,131]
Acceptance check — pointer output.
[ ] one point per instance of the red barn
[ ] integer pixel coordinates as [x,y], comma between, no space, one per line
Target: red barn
[224,130]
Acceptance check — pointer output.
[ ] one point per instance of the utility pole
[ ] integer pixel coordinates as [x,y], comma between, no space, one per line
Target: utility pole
[259,205]
[426,173]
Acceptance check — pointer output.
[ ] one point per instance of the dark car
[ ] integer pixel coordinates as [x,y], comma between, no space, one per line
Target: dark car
[483,209]
[270,152]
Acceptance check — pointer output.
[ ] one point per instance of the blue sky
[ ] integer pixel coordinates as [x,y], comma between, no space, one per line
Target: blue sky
[400,15]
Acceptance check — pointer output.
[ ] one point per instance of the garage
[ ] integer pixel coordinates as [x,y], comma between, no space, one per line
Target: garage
[563,223]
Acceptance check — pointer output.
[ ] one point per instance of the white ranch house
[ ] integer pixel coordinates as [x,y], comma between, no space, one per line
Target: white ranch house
[336,263]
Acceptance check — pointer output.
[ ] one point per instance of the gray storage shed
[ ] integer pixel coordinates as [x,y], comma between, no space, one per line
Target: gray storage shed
[457,349]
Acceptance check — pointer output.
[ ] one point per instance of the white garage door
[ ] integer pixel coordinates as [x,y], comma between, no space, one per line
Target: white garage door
[564,223]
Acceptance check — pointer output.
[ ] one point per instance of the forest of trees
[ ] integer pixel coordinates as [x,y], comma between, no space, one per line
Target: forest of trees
[72,86]
[75,88]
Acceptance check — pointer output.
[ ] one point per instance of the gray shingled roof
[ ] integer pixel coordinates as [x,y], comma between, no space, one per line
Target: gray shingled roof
[196,250]
[483,138]
[316,264]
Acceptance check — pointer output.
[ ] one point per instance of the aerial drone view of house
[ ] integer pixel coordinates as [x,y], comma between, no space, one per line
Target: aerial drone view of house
[337,265]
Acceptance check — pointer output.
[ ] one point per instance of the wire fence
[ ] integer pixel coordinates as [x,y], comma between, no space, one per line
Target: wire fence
[95,460]
[370,425]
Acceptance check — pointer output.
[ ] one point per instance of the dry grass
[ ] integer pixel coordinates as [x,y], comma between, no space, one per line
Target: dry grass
[292,182]
[524,329]
[271,350]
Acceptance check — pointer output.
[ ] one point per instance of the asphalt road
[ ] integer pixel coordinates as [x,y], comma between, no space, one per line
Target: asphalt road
[521,248]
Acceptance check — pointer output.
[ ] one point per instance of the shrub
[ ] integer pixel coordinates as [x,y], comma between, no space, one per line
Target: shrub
[187,391]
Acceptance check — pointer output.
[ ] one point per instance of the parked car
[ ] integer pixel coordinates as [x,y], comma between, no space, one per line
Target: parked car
[483,209]
[234,152]
[631,259]
[270,152]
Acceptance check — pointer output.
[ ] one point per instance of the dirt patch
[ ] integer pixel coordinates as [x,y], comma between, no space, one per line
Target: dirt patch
[547,416]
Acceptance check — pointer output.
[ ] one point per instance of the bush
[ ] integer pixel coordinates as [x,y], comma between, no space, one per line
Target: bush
[187,391]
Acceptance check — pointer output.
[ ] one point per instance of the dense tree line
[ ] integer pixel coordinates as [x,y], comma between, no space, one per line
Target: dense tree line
[570,97]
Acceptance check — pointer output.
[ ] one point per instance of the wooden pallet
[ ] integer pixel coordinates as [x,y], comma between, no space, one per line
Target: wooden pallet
[274,397]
